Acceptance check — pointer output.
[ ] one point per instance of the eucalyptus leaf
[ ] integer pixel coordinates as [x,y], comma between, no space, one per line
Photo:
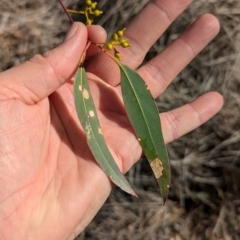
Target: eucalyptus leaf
[87,115]
[144,117]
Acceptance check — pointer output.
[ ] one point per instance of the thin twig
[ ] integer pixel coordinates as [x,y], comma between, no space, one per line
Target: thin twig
[89,42]
[99,45]
[66,11]
[84,54]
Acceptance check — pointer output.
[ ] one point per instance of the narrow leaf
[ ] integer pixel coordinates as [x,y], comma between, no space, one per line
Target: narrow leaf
[87,115]
[144,116]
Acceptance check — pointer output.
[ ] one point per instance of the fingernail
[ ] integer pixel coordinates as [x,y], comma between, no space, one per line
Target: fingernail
[71,32]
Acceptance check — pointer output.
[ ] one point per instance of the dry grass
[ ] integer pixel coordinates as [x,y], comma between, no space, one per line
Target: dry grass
[204,201]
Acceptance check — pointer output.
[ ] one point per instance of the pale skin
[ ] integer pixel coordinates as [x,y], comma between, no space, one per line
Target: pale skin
[50,185]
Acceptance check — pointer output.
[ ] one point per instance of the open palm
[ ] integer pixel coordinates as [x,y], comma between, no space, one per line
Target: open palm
[50,185]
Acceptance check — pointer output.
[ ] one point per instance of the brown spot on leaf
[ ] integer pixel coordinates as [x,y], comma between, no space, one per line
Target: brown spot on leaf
[157,167]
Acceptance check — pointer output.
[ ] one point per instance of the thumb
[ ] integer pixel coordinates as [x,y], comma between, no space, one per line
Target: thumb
[43,74]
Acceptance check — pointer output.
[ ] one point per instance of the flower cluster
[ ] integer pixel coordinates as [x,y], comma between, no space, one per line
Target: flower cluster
[90,11]
[117,39]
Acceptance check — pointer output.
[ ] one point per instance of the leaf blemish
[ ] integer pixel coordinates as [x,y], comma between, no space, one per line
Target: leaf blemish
[85,94]
[157,167]
[80,87]
[88,130]
[100,131]
[139,139]
[91,113]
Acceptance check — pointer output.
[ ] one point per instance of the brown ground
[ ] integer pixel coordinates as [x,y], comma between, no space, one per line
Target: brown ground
[204,201]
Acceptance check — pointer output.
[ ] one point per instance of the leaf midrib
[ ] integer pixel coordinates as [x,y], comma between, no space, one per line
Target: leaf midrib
[144,116]
[95,136]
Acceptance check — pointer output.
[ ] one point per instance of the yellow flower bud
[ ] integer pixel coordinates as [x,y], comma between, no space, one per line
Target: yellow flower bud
[125,45]
[115,37]
[97,12]
[109,46]
[89,21]
[93,5]
[122,40]
[88,2]
[121,32]
[117,55]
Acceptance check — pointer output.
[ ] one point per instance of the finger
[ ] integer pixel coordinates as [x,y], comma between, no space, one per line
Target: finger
[42,75]
[159,72]
[148,26]
[142,32]
[182,120]
[95,34]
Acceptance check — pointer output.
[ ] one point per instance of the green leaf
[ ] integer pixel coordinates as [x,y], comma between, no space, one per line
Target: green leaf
[87,115]
[144,116]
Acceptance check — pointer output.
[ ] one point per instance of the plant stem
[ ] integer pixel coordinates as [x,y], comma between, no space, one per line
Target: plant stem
[105,51]
[74,11]
[66,11]
[84,53]
[89,42]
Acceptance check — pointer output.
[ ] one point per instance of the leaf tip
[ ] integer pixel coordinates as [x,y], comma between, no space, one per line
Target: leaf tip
[130,191]
[165,194]
[134,194]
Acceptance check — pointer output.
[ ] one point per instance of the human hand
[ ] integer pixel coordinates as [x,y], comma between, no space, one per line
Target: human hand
[50,185]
